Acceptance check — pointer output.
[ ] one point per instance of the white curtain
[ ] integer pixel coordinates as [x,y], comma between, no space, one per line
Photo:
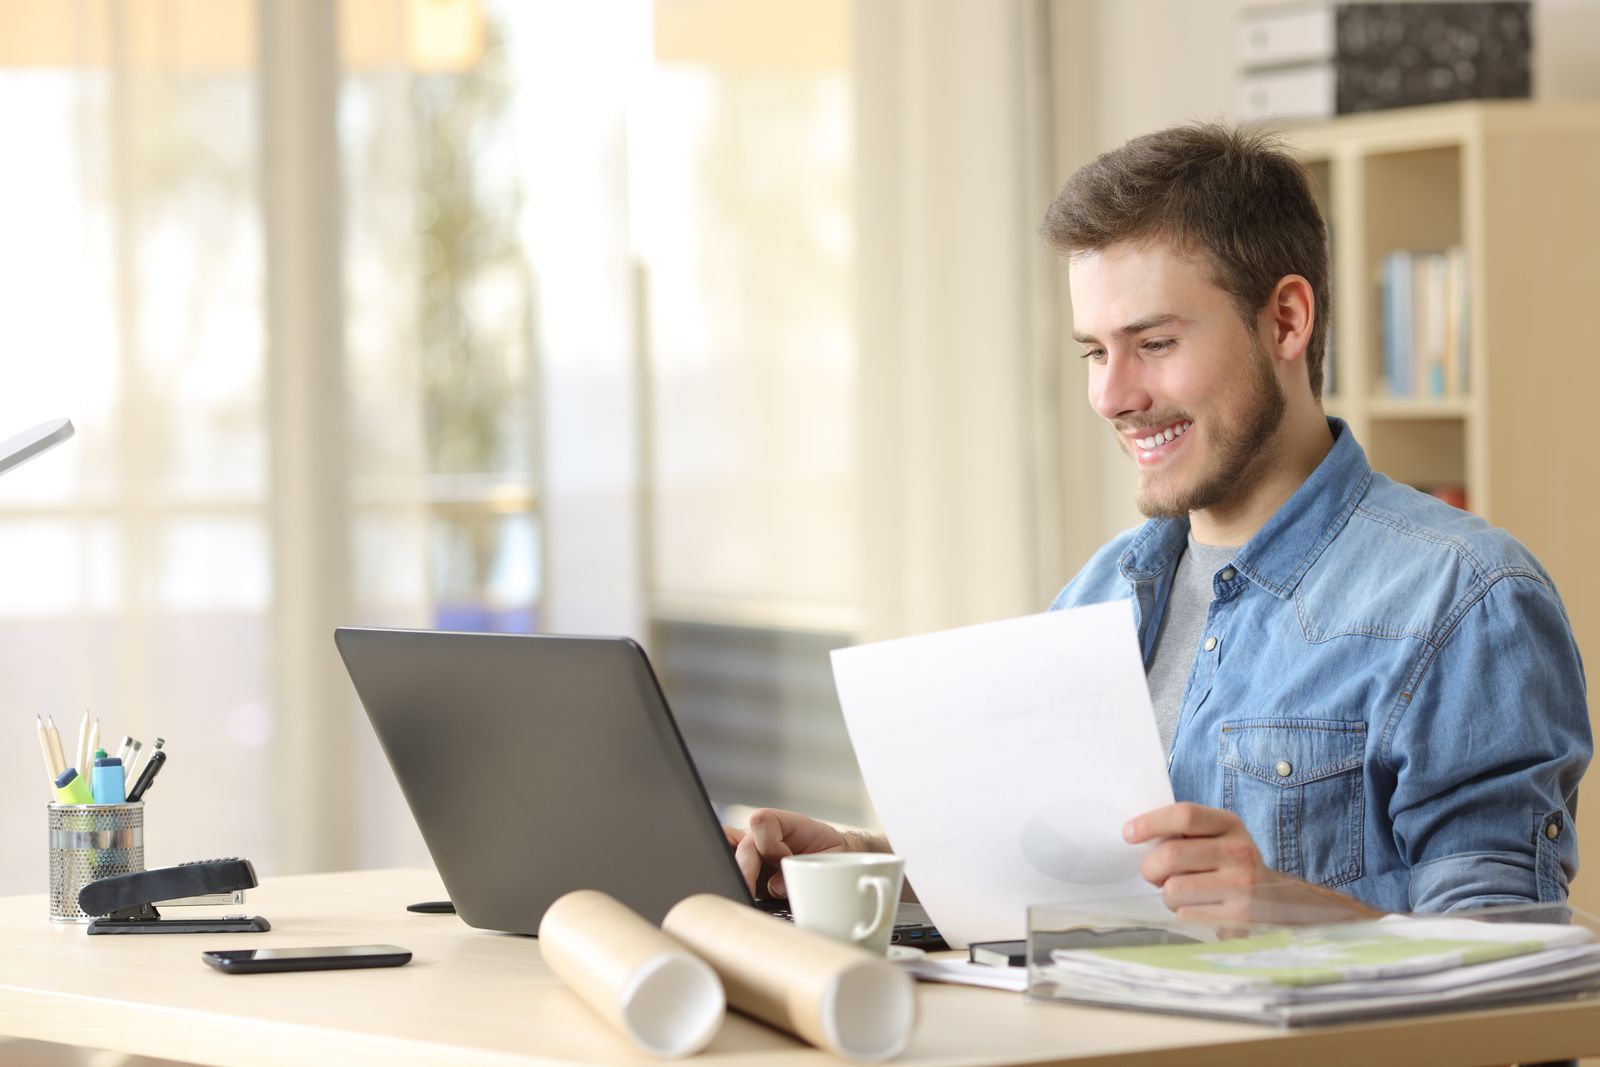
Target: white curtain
[240,363]
[136,563]
[962,455]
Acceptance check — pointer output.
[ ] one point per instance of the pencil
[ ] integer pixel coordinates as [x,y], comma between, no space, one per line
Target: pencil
[54,737]
[83,743]
[49,757]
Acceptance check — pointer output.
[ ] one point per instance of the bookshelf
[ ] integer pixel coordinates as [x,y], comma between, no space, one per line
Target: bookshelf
[1516,185]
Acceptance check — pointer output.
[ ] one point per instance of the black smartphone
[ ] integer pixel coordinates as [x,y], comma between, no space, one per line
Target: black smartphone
[328,958]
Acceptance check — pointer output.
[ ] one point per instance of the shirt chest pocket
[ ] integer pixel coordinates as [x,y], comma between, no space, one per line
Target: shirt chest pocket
[1297,785]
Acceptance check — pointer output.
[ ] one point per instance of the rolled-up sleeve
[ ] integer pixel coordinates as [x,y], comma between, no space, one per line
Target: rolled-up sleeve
[1487,750]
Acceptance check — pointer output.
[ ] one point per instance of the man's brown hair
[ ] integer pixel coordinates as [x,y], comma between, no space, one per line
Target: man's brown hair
[1233,196]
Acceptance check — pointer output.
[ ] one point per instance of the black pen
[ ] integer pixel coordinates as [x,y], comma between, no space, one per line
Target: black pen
[148,775]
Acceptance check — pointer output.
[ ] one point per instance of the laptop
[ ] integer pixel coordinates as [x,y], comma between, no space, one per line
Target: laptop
[538,764]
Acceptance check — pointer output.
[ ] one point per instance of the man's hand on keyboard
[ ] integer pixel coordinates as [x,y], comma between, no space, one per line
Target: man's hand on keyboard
[774,834]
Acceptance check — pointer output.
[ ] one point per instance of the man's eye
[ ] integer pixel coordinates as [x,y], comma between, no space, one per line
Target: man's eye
[1095,354]
[1159,346]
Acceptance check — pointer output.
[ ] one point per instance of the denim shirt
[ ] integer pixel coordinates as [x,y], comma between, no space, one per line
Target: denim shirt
[1388,694]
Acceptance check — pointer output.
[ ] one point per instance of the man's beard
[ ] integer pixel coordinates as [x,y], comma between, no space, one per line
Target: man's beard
[1239,450]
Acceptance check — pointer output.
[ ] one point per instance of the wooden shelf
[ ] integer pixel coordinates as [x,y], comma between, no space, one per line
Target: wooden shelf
[1393,407]
[1512,183]
[1516,184]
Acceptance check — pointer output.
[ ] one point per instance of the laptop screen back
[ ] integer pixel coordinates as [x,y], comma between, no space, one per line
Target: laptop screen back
[536,765]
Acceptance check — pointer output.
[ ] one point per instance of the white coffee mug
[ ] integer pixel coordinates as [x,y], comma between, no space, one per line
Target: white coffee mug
[848,896]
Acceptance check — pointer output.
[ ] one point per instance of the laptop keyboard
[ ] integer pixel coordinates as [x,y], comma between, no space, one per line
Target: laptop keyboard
[906,932]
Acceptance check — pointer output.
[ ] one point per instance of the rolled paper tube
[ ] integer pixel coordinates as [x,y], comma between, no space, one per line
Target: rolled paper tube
[833,995]
[635,977]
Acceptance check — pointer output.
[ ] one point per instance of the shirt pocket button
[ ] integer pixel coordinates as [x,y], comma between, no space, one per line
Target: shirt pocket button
[1284,768]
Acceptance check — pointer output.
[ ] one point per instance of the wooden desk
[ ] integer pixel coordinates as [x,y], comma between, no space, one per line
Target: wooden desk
[471,997]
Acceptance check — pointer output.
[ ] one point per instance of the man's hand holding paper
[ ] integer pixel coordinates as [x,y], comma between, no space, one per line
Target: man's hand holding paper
[1004,760]
[1017,763]
[1209,869]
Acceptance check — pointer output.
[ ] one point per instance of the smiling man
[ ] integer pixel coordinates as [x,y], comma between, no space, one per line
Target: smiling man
[1370,701]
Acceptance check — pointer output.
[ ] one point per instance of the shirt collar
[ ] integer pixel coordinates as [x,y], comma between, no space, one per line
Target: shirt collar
[1281,552]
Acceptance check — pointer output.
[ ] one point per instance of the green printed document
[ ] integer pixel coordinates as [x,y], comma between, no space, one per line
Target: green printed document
[1322,974]
[1361,951]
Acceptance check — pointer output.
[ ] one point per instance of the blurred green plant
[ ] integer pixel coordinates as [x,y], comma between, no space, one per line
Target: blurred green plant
[475,302]
[475,309]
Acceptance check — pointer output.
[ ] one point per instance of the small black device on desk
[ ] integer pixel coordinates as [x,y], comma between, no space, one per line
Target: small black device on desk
[327,958]
[127,902]
[999,953]
[1015,953]
[433,907]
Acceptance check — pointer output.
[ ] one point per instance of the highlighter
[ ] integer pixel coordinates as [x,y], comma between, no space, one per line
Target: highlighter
[72,789]
[108,783]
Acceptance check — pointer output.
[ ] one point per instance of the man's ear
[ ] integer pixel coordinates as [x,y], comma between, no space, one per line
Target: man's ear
[1290,312]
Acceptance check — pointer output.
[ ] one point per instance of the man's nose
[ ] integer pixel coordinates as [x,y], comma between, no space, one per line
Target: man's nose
[1118,390]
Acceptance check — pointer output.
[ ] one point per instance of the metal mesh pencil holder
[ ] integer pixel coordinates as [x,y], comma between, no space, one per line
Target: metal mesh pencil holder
[89,842]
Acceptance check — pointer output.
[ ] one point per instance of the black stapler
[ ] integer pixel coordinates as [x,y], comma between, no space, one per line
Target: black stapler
[127,902]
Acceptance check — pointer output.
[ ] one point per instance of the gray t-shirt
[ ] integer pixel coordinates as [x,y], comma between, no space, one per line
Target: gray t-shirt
[1178,641]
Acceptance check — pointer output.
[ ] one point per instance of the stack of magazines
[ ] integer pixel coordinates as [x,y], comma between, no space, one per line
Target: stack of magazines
[1397,964]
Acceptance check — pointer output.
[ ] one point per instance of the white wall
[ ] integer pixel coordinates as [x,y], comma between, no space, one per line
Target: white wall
[954,352]
[1566,43]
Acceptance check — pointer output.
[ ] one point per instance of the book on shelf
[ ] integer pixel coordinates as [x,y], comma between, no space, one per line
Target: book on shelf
[1424,314]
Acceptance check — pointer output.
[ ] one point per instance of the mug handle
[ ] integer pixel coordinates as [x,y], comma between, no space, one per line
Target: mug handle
[882,913]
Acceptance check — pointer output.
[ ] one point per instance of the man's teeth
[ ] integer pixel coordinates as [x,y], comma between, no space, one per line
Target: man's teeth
[1147,443]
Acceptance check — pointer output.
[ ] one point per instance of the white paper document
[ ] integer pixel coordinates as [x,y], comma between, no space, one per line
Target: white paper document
[1003,760]
[962,972]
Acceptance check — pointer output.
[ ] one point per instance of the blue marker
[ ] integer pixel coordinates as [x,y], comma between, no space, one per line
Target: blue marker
[108,784]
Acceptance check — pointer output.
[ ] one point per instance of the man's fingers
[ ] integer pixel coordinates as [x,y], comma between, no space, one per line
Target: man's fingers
[1180,856]
[767,831]
[774,834]
[1227,890]
[1179,820]
[760,847]
[749,861]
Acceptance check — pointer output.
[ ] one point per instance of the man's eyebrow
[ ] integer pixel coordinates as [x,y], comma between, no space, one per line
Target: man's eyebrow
[1149,322]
